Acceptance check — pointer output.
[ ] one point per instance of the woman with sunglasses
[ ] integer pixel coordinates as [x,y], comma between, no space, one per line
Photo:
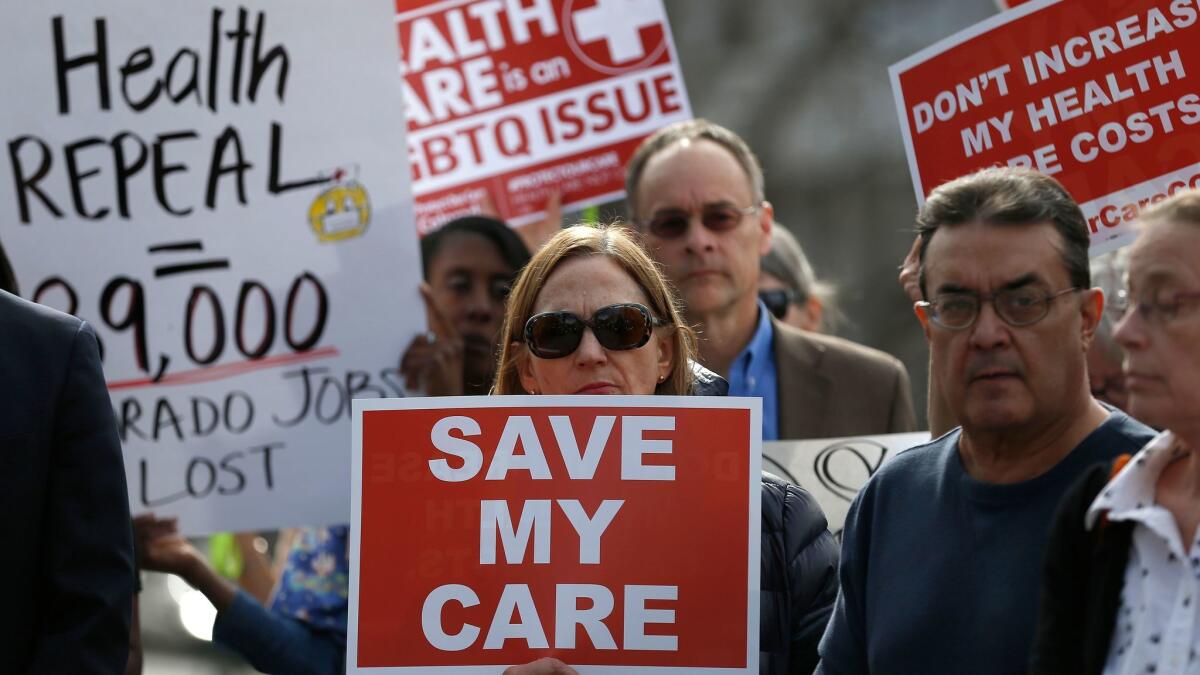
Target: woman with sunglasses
[1121,585]
[592,314]
[789,288]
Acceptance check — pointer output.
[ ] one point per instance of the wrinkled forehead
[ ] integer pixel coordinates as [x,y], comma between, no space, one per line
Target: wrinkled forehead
[984,257]
[691,174]
[583,284]
[1166,254]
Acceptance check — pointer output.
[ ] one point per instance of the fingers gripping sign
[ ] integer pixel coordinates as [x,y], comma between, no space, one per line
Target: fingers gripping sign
[545,666]
[160,548]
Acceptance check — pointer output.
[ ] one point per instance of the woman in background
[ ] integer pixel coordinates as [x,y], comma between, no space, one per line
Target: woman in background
[1122,579]
[789,287]
[469,265]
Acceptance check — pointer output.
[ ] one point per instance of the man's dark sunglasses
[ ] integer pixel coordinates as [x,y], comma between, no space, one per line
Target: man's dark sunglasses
[553,335]
[778,299]
[717,218]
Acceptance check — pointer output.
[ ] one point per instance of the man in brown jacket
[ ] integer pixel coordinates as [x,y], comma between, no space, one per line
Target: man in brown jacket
[695,190]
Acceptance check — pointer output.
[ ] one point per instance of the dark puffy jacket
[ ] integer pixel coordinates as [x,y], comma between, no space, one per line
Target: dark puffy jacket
[798,577]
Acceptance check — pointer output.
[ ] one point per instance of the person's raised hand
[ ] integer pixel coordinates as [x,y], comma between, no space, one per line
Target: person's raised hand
[433,362]
[545,666]
[160,548]
[910,272]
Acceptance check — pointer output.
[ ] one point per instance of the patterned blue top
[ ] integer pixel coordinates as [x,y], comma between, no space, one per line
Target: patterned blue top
[315,584]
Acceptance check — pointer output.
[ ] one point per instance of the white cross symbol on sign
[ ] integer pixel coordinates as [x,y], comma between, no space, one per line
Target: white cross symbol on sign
[618,23]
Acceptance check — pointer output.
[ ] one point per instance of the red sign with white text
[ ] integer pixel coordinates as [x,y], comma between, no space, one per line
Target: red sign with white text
[518,100]
[1096,93]
[618,534]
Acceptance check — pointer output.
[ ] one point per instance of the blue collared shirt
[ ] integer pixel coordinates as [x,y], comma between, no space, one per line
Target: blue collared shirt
[753,373]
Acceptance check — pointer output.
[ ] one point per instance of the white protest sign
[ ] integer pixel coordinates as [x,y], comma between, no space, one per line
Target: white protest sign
[220,189]
[835,469]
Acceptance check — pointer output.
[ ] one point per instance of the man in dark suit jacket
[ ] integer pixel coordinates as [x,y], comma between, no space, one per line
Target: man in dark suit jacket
[695,190]
[64,510]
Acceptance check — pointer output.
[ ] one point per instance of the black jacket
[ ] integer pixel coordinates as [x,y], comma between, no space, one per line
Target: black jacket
[1081,584]
[798,568]
[798,578]
[64,509]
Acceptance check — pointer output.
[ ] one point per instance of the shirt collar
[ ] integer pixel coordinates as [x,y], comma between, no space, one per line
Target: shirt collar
[1130,495]
[755,353]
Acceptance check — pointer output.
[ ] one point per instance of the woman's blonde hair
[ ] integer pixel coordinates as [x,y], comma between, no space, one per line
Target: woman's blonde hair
[620,245]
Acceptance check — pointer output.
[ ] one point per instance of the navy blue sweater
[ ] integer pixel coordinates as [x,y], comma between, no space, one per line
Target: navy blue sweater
[940,573]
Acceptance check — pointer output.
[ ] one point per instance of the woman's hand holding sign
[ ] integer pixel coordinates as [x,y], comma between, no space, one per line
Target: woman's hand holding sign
[542,667]
[160,548]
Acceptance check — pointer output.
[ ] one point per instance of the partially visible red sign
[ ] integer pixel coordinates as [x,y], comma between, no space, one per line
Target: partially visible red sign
[518,100]
[1009,4]
[496,530]
[1096,93]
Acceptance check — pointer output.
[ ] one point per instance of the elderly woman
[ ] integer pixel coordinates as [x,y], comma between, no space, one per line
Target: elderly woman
[591,314]
[1123,567]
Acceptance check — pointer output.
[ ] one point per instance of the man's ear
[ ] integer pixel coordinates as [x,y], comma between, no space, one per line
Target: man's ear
[766,216]
[922,316]
[524,367]
[1091,310]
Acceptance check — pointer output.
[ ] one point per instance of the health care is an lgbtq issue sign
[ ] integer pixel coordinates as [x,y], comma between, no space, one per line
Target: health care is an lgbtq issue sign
[515,101]
[618,534]
[1101,94]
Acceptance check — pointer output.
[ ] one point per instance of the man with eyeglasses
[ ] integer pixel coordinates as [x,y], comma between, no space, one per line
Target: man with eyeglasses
[695,191]
[942,549]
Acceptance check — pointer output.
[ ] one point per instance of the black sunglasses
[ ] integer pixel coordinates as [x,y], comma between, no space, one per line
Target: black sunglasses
[553,335]
[778,299]
[717,218]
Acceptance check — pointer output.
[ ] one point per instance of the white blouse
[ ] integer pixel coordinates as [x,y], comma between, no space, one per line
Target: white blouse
[1157,630]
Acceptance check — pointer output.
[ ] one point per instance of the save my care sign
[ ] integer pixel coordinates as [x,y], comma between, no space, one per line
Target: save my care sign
[620,534]
[220,190]
[1100,94]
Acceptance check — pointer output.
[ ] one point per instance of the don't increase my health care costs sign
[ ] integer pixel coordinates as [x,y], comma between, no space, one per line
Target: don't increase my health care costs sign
[1100,94]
